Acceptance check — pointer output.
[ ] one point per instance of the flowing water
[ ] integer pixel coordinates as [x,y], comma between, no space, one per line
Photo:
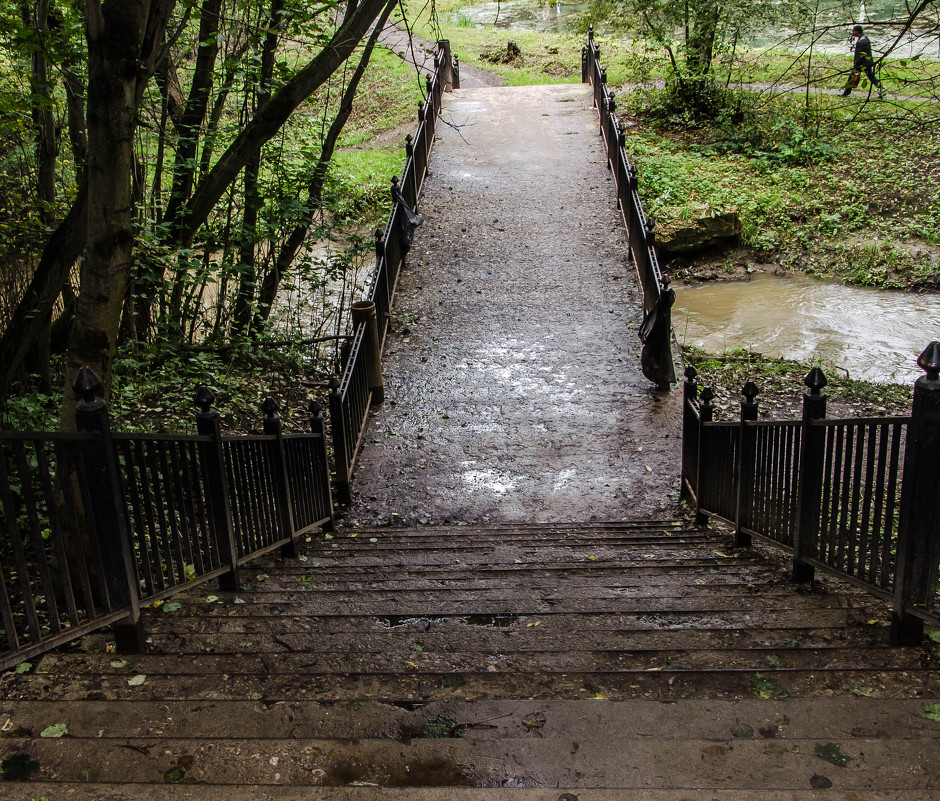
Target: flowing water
[874,334]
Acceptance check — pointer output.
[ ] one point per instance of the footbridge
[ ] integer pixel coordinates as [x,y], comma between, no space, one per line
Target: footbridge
[509,599]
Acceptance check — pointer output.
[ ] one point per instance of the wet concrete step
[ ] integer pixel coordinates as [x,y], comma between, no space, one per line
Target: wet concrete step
[821,718]
[487,639]
[209,792]
[504,660]
[219,618]
[416,605]
[407,685]
[529,761]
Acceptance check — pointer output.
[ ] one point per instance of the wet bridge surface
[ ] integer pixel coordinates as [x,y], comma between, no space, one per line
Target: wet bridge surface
[513,383]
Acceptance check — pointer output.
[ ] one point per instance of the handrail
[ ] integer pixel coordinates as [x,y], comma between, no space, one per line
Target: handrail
[96,524]
[351,395]
[655,332]
[856,497]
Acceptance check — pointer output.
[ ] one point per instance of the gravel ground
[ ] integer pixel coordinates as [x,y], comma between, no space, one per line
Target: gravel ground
[513,386]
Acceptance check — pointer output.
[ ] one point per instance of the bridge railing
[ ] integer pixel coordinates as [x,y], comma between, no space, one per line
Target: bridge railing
[859,498]
[656,330]
[359,385]
[97,524]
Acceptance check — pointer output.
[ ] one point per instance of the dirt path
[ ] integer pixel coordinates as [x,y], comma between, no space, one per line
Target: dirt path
[513,388]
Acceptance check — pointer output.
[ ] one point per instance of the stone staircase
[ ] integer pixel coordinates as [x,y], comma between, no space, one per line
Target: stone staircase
[626,660]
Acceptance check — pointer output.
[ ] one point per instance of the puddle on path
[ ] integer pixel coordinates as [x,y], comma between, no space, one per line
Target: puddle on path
[875,334]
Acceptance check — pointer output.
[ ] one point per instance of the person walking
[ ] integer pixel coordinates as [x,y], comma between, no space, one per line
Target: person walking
[863,61]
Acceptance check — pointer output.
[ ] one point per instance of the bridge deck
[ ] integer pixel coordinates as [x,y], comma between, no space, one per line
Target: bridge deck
[513,384]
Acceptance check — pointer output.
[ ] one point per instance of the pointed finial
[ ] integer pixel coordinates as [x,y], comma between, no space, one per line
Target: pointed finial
[929,361]
[314,409]
[87,385]
[270,408]
[816,381]
[750,391]
[707,396]
[334,383]
[690,372]
[204,398]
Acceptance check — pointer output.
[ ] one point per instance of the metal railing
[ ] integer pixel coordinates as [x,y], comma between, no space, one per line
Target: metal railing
[97,524]
[360,384]
[859,498]
[655,332]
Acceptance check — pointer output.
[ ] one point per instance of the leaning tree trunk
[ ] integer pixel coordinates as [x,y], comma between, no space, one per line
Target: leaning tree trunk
[123,36]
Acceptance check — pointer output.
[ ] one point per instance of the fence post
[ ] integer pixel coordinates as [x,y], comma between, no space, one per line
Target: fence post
[218,508]
[285,505]
[456,71]
[915,581]
[809,490]
[315,410]
[705,413]
[447,65]
[689,481]
[363,311]
[340,451]
[107,513]
[747,458]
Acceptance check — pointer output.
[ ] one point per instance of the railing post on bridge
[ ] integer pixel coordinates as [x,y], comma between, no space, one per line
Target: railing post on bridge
[317,427]
[447,65]
[918,551]
[747,440]
[585,74]
[456,71]
[363,311]
[706,411]
[285,506]
[106,517]
[340,447]
[218,508]
[809,490]
[689,481]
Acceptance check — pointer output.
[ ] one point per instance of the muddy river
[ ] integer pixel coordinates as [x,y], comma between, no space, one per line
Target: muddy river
[874,334]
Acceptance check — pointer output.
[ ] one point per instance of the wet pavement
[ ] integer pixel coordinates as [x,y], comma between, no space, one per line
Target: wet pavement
[512,379]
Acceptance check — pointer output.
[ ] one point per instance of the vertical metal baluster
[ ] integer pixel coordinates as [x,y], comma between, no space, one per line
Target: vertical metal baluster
[837,484]
[202,542]
[855,554]
[867,541]
[64,470]
[19,556]
[879,534]
[140,534]
[35,538]
[177,536]
[179,490]
[828,484]
[55,534]
[890,536]
[152,533]
[159,481]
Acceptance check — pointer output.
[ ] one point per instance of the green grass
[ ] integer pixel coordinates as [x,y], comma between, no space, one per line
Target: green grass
[858,199]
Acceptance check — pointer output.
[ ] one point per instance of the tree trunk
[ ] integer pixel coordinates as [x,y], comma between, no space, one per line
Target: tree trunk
[123,39]
[248,273]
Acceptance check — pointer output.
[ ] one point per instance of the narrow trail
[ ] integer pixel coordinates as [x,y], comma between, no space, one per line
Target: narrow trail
[513,385]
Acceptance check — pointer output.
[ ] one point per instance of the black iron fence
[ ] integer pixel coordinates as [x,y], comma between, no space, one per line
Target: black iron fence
[360,384]
[856,497]
[97,524]
[655,332]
